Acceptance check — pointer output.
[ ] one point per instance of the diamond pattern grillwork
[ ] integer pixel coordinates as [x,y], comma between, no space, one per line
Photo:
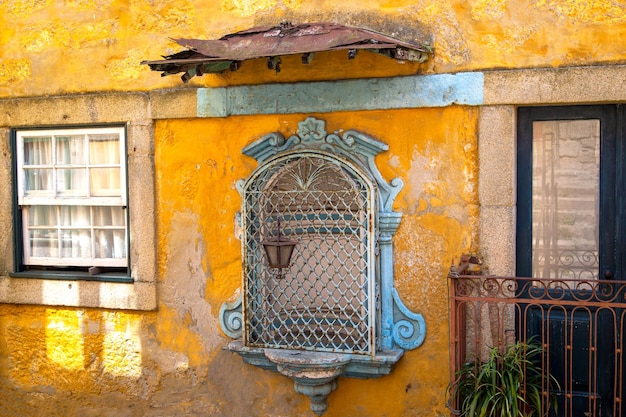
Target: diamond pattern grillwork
[322,301]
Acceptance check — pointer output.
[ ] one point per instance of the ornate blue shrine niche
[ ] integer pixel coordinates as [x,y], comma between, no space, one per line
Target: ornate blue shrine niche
[331,308]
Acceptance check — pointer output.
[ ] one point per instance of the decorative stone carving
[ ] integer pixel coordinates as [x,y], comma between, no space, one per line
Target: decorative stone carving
[314,373]
[231,320]
[398,328]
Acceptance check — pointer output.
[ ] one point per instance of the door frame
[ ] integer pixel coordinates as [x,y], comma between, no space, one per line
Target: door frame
[611,221]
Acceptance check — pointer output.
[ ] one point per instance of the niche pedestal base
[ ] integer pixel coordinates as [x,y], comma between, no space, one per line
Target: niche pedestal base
[314,373]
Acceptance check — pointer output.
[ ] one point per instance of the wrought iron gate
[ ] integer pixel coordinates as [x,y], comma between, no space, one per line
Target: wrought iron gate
[579,323]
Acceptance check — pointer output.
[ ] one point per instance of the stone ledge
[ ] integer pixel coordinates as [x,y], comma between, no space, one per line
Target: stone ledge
[71,293]
[360,366]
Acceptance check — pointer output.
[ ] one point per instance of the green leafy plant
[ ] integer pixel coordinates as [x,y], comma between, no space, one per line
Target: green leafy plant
[508,384]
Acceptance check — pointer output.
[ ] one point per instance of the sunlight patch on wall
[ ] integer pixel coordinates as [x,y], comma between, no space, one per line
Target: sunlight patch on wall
[249,7]
[65,339]
[121,347]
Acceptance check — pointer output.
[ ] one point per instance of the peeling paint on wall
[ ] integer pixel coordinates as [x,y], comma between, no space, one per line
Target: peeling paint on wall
[183,289]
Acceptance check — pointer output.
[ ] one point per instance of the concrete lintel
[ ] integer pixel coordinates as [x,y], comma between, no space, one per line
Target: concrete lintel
[74,109]
[347,95]
[568,85]
[173,104]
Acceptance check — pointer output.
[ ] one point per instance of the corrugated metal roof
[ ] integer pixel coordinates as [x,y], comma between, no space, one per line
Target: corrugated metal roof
[228,52]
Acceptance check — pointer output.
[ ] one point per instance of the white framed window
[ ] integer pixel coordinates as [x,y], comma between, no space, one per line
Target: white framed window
[72,195]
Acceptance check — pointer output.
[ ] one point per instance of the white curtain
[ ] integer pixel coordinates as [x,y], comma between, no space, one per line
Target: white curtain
[71,169]
[38,164]
[76,232]
[105,180]
[109,228]
[104,159]
[43,238]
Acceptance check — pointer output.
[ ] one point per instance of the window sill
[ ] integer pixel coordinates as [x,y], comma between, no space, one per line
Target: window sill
[73,290]
[74,276]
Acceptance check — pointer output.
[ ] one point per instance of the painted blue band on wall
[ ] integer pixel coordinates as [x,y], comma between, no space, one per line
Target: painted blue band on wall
[437,90]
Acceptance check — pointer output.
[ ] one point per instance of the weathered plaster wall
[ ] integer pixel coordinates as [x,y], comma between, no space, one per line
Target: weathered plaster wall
[432,150]
[98,362]
[58,46]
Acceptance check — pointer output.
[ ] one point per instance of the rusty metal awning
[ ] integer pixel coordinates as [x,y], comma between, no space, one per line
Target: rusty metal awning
[228,52]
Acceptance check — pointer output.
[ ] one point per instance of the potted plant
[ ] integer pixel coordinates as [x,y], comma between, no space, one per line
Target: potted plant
[508,384]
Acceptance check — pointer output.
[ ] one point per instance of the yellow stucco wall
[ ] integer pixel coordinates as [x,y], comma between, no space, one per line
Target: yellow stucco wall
[93,45]
[94,362]
[435,158]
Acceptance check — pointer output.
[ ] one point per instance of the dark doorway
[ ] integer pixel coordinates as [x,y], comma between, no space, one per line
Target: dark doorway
[570,227]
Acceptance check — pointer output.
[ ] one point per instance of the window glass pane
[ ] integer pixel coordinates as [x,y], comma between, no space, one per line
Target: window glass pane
[38,179]
[38,150]
[72,182]
[110,244]
[105,181]
[70,150]
[108,216]
[44,242]
[119,244]
[104,149]
[566,172]
[77,216]
[42,216]
[76,243]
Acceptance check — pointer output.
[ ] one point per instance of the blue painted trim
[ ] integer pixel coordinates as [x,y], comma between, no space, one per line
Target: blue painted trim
[231,318]
[437,90]
[409,329]
[388,222]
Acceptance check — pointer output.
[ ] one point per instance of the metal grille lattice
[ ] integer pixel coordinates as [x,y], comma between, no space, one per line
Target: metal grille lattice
[323,300]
